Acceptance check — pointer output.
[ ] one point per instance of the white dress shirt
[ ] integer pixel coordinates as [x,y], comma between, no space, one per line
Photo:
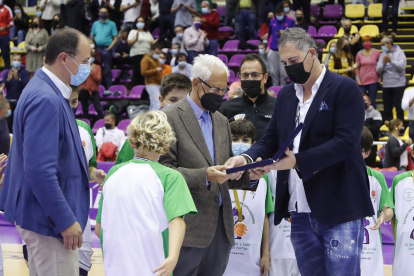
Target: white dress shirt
[296,189]
[405,103]
[64,89]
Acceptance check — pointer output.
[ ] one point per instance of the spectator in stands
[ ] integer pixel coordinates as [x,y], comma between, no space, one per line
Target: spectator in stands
[183,67]
[342,61]
[179,38]
[121,50]
[6,23]
[140,41]
[265,26]
[340,2]
[263,50]
[104,35]
[329,55]
[287,9]
[114,11]
[4,129]
[195,40]
[14,80]
[366,73]
[391,68]
[152,71]
[174,87]
[354,39]
[57,24]
[373,121]
[385,16]
[80,16]
[131,10]
[407,104]
[255,105]
[49,8]
[210,24]
[300,21]
[110,134]
[184,10]
[35,44]
[396,154]
[89,91]
[246,11]
[166,20]
[166,69]
[21,24]
[235,90]
[276,28]
[175,49]
[200,6]
[155,14]
[305,6]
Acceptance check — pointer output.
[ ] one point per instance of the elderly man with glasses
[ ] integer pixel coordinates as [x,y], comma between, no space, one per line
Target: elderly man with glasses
[203,145]
[256,105]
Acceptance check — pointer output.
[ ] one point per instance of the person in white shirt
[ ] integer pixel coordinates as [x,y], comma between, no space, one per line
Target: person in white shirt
[131,10]
[110,133]
[182,66]
[407,104]
[155,13]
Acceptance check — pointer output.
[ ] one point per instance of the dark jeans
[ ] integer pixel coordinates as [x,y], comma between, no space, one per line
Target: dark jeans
[13,105]
[372,90]
[137,78]
[391,97]
[48,25]
[106,65]
[191,55]
[84,98]
[385,14]
[212,47]
[324,250]
[411,130]
[246,18]
[5,50]
[305,5]
[166,23]
[119,61]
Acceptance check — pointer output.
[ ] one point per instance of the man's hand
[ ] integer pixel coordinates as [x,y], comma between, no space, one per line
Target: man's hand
[385,215]
[217,174]
[125,55]
[286,163]
[39,49]
[10,75]
[186,6]
[33,49]
[167,266]
[256,173]
[117,55]
[358,82]
[159,69]
[72,236]
[99,177]
[203,20]
[233,162]
[409,141]
[264,265]
[2,29]
[386,59]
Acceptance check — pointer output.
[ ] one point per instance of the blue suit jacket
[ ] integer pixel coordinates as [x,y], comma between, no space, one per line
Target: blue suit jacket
[46,187]
[329,159]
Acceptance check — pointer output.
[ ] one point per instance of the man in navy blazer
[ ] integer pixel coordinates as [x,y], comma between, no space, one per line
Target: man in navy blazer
[322,181]
[46,188]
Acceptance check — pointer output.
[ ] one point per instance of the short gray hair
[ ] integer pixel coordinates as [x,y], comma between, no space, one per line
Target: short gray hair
[204,65]
[298,36]
[3,104]
[206,2]
[388,40]
[343,21]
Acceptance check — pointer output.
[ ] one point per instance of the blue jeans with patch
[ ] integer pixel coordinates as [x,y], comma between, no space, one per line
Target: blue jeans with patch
[324,250]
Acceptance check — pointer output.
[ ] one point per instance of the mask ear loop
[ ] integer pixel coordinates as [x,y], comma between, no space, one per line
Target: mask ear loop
[313,61]
[201,88]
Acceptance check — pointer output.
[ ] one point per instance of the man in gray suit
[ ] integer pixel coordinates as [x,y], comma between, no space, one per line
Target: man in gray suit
[203,144]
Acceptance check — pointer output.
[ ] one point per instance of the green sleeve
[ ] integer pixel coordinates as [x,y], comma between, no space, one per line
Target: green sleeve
[269,207]
[126,153]
[177,198]
[92,162]
[385,194]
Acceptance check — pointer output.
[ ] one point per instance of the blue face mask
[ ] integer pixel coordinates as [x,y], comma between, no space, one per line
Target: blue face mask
[16,64]
[155,56]
[162,61]
[17,11]
[140,25]
[39,14]
[262,52]
[239,148]
[205,10]
[182,63]
[280,17]
[384,49]
[286,9]
[9,113]
[180,35]
[82,74]
[174,51]
[332,50]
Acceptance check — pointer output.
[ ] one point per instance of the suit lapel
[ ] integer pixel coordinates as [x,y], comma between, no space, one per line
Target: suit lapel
[69,116]
[190,121]
[316,103]
[217,137]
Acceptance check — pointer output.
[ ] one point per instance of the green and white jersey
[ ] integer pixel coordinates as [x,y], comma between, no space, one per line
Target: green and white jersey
[88,142]
[245,255]
[138,200]
[125,154]
[372,262]
[402,193]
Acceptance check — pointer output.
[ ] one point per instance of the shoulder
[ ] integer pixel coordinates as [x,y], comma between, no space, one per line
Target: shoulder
[9,10]
[378,175]
[165,172]
[286,90]
[401,177]
[84,125]
[232,102]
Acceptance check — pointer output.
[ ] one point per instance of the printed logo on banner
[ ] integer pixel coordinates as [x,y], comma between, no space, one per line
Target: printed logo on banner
[408,194]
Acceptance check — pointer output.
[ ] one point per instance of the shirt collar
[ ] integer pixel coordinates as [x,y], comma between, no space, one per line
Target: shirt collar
[196,108]
[63,88]
[315,87]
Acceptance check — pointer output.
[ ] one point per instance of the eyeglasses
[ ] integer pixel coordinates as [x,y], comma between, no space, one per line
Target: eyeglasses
[216,90]
[86,61]
[254,75]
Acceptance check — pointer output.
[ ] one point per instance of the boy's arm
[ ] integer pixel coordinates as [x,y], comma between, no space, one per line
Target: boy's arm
[265,260]
[98,229]
[176,228]
[393,227]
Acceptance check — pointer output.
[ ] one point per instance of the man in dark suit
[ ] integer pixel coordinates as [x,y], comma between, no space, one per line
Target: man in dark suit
[46,188]
[322,180]
[203,145]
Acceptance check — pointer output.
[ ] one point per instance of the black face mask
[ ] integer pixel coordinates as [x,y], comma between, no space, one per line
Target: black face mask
[346,48]
[210,101]
[35,25]
[297,73]
[108,126]
[347,30]
[366,106]
[299,18]
[252,88]
[401,131]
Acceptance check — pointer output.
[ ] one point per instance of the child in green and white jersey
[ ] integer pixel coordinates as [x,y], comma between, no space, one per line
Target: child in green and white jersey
[140,200]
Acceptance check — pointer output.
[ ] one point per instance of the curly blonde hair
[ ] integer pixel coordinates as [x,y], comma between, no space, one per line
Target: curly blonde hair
[151,132]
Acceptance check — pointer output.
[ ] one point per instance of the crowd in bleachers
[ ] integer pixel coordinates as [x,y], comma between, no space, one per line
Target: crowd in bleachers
[135,43]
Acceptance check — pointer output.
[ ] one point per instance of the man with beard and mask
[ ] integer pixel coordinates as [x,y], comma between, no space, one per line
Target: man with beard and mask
[323,170]
[255,105]
[203,145]
[354,39]
[373,121]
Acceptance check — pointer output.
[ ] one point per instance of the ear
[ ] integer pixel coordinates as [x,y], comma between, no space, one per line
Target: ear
[266,77]
[314,53]
[196,81]
[161,101]
[62,58]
